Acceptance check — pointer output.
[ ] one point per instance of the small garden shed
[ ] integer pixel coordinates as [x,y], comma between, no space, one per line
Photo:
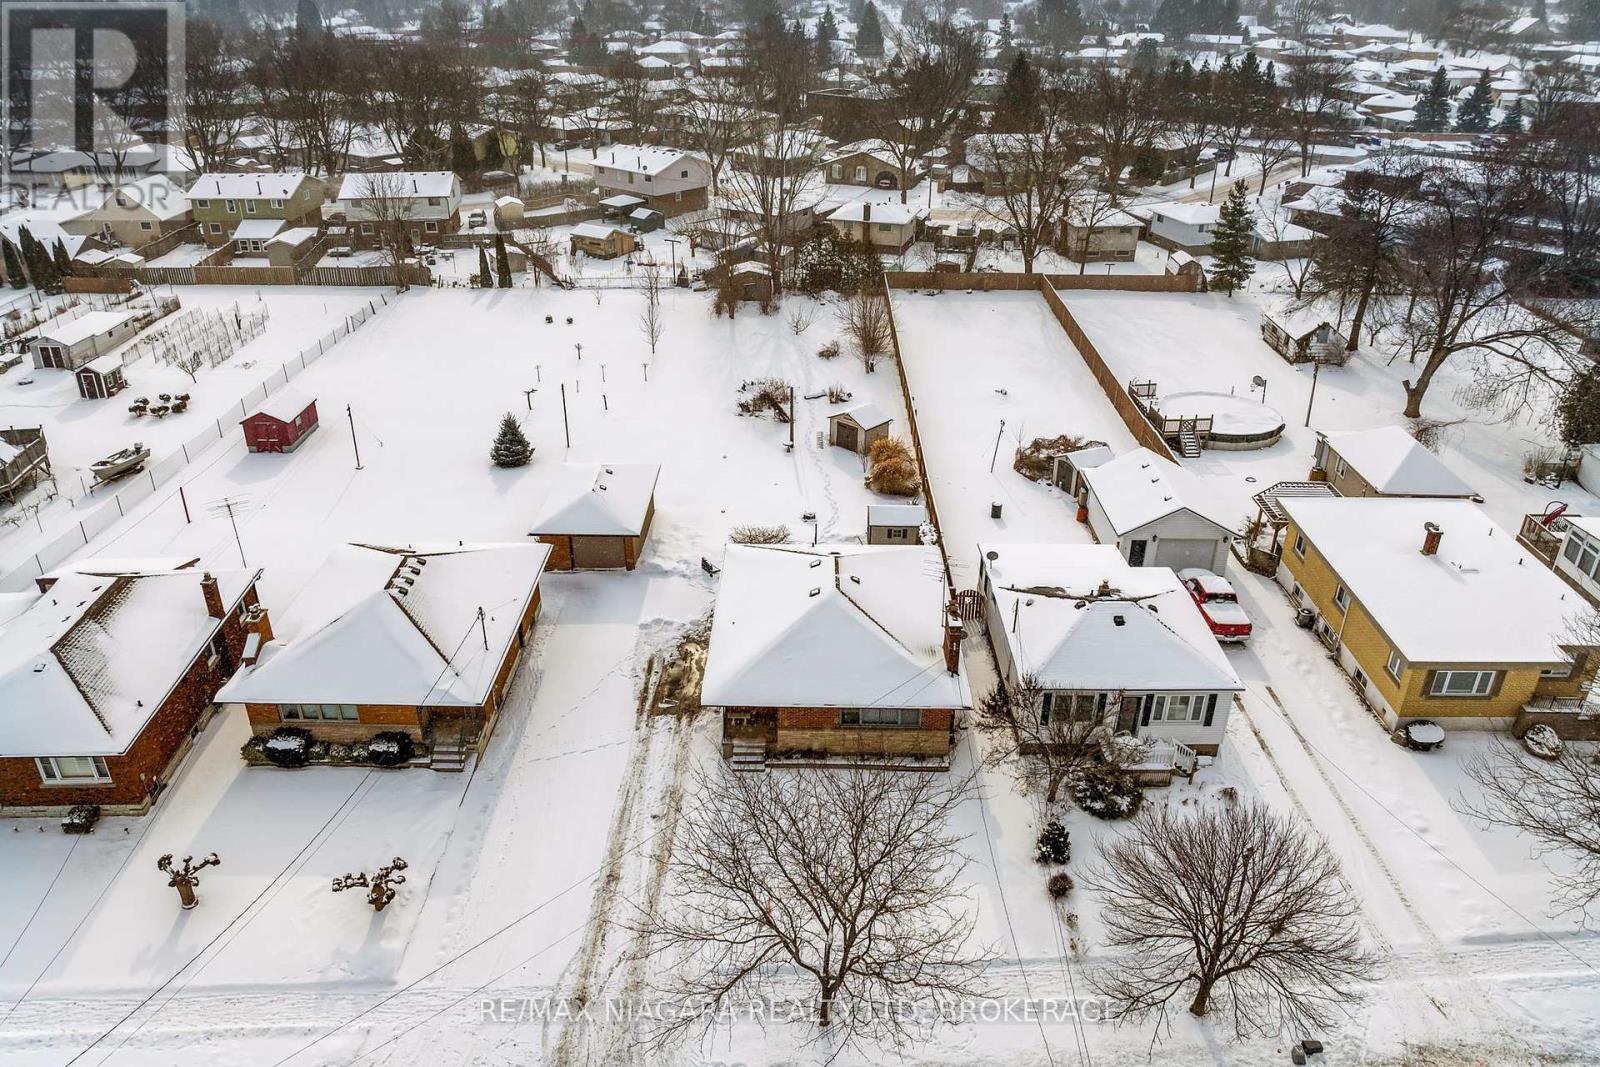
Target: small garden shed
[282,423]
[101,377]
[895,524]
[856,427]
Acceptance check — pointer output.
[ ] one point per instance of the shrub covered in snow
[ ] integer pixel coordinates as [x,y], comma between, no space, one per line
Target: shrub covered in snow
[759,535]
[829,350]
[1108,793]
[891,468]
[1422,735]
[1054,847]
[1058,885]
[289,746]
[390,749]
[1543,741]
[80,819]
[254,750]
[765,396]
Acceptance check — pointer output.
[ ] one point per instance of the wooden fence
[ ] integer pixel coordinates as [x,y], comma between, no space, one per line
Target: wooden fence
[1132,416]
[89,284]
[916,441]
[986,282]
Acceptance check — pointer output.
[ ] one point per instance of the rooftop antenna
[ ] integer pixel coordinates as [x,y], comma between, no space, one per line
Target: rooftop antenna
[232,506]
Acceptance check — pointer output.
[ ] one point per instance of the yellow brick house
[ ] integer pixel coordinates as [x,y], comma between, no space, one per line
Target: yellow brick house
[1433,610]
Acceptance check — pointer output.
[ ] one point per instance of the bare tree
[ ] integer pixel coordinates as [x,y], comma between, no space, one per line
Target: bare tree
[1087,204]
[386,205]
[1046,739]
[848,880]
[925,91]
[864,318]
[212,118]
[1235,908]
[1312,102]
[1556,802]
[651,323]
[1120,113]
[765,186]
[718,120]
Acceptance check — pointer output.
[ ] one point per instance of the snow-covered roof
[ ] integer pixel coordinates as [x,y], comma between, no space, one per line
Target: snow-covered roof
[84,668]
[640,159]
[867,415]
[622,200]
[115,565]
[1139,487]
[598,499]
[886,213]
[276,185]
[896,514]
[158,194]
[596,231]
[80,329]
[405,183]
[1394,464]
[257,229]
[1481,598]
[385,625]
[296,237]
[1143,634]
[1188,214]
[832,626]
[284,405]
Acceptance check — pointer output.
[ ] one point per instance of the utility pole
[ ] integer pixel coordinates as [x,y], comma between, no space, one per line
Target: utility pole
[483,626]
[1316,366]
[997,436]
[565,427]
[353,442]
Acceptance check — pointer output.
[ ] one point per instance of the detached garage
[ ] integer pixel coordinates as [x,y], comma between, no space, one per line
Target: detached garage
[855,428]
[281,423]
[598,515]
[1156,513]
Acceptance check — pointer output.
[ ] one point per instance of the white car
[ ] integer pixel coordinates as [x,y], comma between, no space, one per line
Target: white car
[1218,603]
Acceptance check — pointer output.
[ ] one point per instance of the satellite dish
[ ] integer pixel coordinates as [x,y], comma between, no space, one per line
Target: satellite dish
[1258,381]
[991,555]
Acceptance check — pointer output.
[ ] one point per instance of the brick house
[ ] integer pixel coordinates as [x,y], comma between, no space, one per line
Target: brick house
[424,204]
[419,640]
[1386,461]
[869,164]
[833,651]
[222,203]
[669,180]
[107,675]
[598,515]
[1433,611]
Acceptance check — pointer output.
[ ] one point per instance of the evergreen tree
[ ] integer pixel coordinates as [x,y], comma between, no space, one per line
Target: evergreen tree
[1473,114]
[1017,108]
[63,262]
[502,263]
[1058,22]
[827,36]
[14,273]
[869,33]
[308,17]
[1230,243]
[511,447]
[1511,121]
[30,255]
[1008,34]
[1433,109]
[463,160]
[1583,20]
[483,269]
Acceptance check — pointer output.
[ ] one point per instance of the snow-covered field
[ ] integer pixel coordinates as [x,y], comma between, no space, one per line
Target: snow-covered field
[526,872]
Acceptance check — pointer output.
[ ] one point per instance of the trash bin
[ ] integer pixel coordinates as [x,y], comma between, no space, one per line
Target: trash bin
[994,509]
[1304,618]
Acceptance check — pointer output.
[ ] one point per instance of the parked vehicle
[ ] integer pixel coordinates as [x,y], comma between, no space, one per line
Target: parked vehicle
[1218,603]
[120,463]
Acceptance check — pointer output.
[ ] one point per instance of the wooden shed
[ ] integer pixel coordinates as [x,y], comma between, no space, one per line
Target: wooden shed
[1301,337]
[602,240]
[101,377]
[856,427]
[598,515]
[282,423]
[895,524]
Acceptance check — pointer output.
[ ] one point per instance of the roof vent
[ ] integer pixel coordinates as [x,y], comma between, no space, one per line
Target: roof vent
[1118,620]
[816,563]
[856,578]
[815,592]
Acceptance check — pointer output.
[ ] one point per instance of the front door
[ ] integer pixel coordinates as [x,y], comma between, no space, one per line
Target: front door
[845,437]
[1136,551]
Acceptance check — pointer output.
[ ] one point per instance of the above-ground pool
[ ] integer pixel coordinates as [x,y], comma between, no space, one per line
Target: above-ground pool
[1237,422]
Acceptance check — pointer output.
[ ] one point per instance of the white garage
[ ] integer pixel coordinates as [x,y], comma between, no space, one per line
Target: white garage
[1156,513]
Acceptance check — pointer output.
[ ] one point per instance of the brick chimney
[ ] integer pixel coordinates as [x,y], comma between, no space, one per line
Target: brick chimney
[257,625]
[1431,536]
[213,595]
[953,633]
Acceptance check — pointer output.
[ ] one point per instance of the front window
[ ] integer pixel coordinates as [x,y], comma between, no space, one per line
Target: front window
[838,170]
[1462,683]
[72,770]
[318,712]
[1178,707]
[903,717]
[431,227]
[861,174]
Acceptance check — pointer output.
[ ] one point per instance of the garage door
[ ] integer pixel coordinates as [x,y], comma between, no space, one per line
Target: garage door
[597,552]
[1179,553]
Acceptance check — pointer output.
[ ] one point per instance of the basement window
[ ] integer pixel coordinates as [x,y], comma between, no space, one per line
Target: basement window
[907,718]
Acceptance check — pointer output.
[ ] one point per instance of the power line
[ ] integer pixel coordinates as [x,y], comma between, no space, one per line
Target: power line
[23,932]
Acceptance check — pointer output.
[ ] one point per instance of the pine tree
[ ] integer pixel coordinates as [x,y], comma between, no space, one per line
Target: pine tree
[1473,114]
[1433,110]
[511,447]
[1583,21]
[1018,105]
[13,262]
[1511,121]
[483,269]
[1008,34]
[869,33]
[63,262]
[1230,243]
[502,264]
[307,17]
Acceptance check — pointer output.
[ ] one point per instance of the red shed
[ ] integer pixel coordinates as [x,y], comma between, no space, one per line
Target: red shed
[281,423]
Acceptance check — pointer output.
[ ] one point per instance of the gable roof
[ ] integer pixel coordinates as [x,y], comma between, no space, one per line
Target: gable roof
[866,415]
[87,664]
[385,625]
[1481,598]
[598,499]
[402,184]
[277,185]
[1394,463]
[836,626]
[1145,635]
[1139,487]
[73,331]
[640,159]
[283,405]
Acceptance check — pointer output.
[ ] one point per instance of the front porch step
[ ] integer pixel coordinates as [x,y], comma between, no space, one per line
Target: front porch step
[748,756]
[448,758]
[1189,444]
